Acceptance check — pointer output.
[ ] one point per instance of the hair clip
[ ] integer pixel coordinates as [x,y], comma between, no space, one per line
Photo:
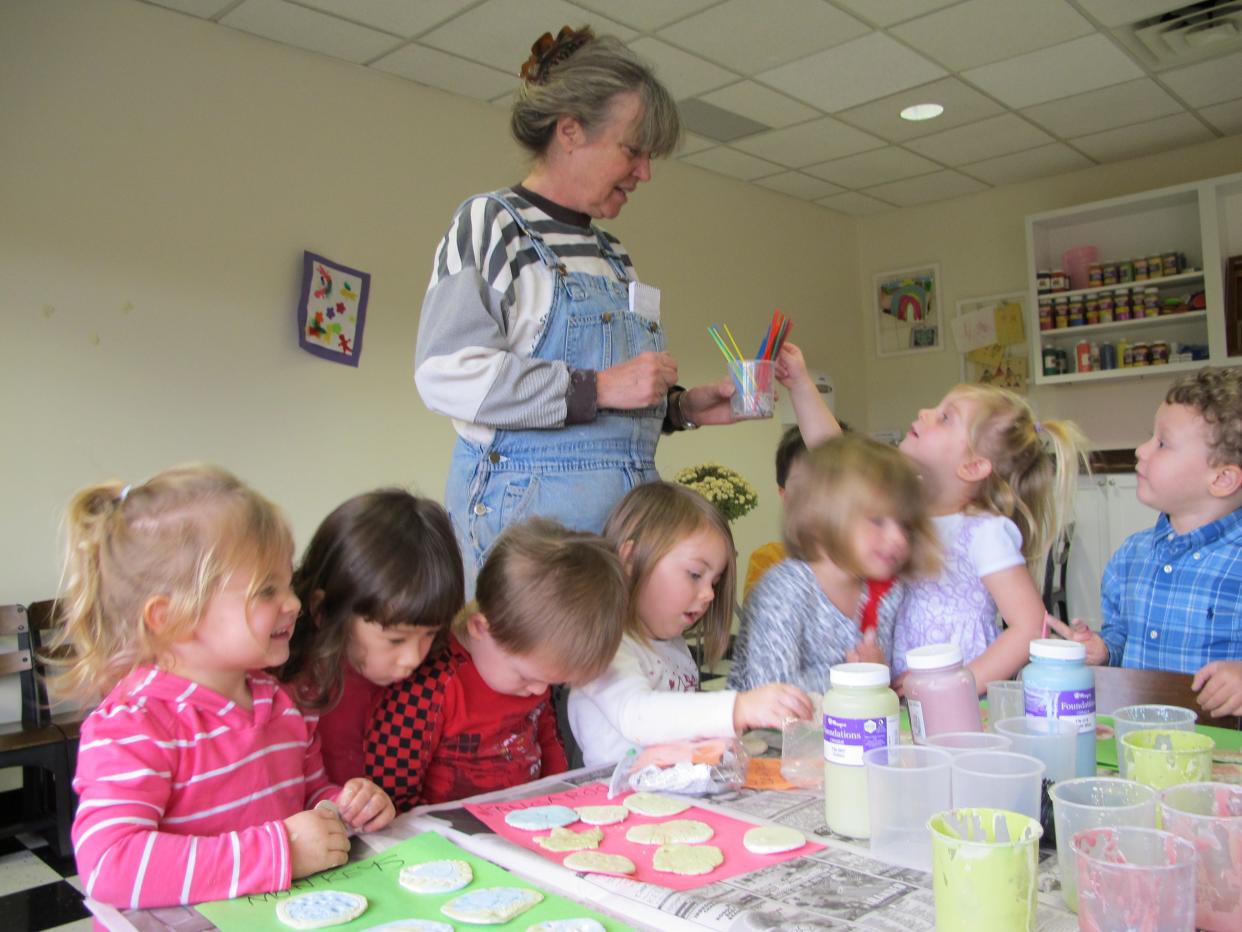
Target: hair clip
[546,53]
[1039,426]
[123,494]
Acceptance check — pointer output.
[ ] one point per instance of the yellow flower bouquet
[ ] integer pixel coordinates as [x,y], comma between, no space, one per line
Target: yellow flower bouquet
[725,488]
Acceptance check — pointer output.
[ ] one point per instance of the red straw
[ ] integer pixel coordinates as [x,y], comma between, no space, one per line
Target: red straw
[786,326]
[769,340]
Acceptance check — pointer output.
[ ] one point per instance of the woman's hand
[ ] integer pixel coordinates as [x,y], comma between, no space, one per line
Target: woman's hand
[636,383]
[709,404]
[365,806]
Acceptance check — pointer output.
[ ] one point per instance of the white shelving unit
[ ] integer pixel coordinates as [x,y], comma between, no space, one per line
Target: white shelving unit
[1202,220]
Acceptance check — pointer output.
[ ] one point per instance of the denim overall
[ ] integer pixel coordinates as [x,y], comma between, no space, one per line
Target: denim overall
[573,474]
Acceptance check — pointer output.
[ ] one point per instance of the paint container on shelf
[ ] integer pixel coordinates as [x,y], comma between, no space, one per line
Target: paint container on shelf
[1082,356]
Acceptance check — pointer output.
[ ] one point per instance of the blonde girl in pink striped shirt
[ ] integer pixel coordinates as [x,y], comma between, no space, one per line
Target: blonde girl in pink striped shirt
[198,776]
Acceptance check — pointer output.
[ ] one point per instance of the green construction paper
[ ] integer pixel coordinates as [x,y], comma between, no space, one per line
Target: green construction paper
[376,879]
[1227,739]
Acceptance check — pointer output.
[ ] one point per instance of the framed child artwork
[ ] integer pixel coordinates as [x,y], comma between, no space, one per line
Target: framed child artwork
[907,311]
[332,309]
[991,339]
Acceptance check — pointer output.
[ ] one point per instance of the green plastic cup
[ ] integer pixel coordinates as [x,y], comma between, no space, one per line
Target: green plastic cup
[1160,758]
[984,869]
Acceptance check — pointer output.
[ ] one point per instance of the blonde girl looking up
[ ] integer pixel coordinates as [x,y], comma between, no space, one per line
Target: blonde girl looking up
[678,556]
[198,776]
[1000,488]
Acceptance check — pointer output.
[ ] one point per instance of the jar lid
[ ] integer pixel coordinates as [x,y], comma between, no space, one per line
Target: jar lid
[859,674]
[933,656]
[1057,649]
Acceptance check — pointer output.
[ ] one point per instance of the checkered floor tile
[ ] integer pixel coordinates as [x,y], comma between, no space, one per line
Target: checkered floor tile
[39,891]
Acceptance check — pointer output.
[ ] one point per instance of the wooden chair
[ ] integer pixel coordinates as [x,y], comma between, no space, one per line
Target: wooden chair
[34,743]
[1116,687]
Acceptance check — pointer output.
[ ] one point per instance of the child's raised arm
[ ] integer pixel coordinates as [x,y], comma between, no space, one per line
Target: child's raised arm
[815,419]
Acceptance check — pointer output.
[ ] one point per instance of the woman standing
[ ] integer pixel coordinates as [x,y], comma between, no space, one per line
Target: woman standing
[536,335]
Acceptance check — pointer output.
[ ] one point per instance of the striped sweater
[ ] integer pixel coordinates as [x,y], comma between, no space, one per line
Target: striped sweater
[484,310]
[183,793]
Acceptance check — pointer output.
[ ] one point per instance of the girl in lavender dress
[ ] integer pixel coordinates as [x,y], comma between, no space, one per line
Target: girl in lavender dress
[1000,488]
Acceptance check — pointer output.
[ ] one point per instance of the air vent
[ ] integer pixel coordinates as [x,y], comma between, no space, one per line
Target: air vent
[1188,34]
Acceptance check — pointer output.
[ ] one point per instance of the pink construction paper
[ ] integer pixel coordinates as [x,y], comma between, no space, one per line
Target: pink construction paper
[728,837]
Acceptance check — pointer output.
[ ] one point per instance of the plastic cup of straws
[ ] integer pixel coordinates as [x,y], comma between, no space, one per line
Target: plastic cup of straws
[753,389]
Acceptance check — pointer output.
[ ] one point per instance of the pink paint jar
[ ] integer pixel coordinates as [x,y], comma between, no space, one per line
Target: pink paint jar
[940,692]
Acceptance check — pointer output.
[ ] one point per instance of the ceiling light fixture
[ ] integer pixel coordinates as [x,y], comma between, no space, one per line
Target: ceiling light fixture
[922,112]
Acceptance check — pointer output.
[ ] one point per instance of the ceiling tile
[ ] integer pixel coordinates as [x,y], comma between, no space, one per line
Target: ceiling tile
[754,35]
[887,12]
[797,184]
[926,188]
[1208,82]
[308,29]
[874,167]
[693,142]
[854,73]
[1169,132]
[761,104]
[1119,12]
[982,31]
[449,73]
[808,143]
[685,75]
[854,204]
[716,122]
[1109,107]
[730,162]
[204,8]
[983,140]
[644,15]
[1226,117]
[1069,68]
[500,33]
[962,104]
[1033,163]
[396,16]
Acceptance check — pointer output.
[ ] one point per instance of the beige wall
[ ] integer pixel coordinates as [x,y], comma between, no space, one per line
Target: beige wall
[980,243]
[162,176]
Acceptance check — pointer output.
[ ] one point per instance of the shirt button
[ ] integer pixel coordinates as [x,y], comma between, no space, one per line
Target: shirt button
[480,509]
[1168,567]
[1170,537]
[1154,635]
[1198,556]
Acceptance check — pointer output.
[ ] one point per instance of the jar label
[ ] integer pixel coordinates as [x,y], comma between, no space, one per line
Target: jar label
[847,739]
[917,728]
[1072,705]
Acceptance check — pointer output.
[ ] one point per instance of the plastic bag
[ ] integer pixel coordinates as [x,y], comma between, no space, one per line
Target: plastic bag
[691,768]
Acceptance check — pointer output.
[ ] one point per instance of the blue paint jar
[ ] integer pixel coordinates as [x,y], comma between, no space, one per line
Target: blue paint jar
[1057,683]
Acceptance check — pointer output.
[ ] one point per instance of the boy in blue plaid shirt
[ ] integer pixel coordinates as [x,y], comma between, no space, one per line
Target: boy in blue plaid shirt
[1172,595]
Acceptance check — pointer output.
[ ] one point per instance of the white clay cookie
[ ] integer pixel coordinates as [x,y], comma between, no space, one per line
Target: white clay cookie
[674,831]
[411,925]
[566,839]
[491,905]
[654,804]
[772,839]
[602,815]
[436,876]
[540,818]
[687,859]
[321,908]
[597,862]
[567,925]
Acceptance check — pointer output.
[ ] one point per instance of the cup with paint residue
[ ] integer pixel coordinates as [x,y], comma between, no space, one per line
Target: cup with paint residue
[1209,816]
[984,869]
[1160,758]
[1145,718]
[1135,878]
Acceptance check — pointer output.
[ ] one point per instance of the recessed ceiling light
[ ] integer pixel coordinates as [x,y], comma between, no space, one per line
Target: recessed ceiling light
[922,112]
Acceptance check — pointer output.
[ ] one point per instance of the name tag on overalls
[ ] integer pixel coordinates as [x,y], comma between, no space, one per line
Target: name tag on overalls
[645,301]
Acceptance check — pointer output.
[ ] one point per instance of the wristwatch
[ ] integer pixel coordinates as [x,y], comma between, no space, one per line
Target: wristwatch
[686,423]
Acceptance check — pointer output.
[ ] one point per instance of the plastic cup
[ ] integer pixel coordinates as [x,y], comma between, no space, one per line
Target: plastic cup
[802,752]
[1134,878]
[1006,699]
[1052,740]
[998,780]
[753,385]
[906,785]
[1209,816]
[1161,759]
[967,742]
[1146,717]
[984,869]
[1095,802]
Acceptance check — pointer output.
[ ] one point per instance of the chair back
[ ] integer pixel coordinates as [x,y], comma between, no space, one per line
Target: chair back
[1116,687]
[22,662]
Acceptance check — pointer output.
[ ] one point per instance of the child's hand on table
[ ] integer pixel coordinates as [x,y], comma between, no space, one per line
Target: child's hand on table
[1097,650]
[770,706]
[365,806]
[1219,685]
[317,841]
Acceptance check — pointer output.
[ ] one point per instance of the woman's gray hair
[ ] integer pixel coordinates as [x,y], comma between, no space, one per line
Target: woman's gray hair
[584,87]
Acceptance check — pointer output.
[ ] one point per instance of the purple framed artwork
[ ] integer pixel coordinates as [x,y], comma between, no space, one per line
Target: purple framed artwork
[332,310]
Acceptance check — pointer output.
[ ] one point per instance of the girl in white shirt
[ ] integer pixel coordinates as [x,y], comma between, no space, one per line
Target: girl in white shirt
[678,554]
